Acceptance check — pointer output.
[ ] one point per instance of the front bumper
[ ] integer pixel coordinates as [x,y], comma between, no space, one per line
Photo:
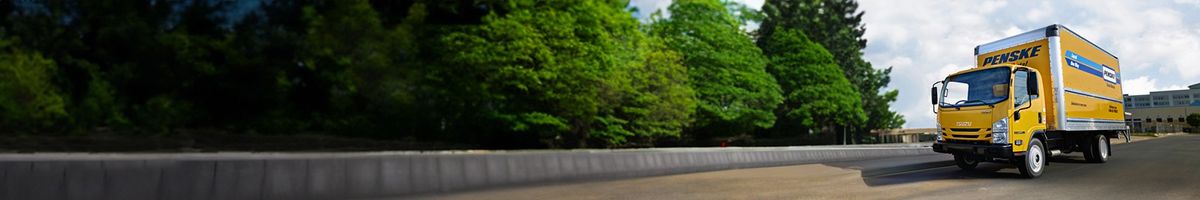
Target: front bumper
[988,150]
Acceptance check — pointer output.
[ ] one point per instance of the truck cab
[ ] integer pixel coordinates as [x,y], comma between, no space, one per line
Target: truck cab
[990,114]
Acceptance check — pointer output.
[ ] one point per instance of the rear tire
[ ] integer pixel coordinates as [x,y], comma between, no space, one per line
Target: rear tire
[1097,149]
[966,162]
[1034,162]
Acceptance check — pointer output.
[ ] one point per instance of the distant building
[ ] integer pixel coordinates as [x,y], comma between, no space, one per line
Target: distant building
[1162,111]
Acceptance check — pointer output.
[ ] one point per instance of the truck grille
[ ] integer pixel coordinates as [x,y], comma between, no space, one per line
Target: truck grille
[965,129]
[965,136]
[967,142]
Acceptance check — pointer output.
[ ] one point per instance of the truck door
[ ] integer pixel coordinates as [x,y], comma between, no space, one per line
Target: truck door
[1029,107]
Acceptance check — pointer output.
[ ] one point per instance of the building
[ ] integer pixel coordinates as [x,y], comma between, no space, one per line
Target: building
[908,135]
[1162,111]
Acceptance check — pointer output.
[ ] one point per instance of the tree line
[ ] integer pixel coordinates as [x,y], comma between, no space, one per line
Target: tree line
[493,73]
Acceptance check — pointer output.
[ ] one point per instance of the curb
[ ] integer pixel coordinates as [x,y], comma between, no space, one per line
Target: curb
[377,174]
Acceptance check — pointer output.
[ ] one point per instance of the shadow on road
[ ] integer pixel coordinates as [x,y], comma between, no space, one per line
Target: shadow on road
[1067,159]
[983,171]
[951,172]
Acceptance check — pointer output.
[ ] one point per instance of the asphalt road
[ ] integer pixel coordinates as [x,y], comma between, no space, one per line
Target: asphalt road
[1166,168]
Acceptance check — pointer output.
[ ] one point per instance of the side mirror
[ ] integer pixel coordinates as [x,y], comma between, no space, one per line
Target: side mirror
[933,95]
[1032,84]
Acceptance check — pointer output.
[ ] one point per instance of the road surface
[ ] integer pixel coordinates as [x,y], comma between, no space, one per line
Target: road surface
[1167,168]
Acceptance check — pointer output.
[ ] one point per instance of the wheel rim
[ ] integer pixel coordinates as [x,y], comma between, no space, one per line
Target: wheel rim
[1103,144]
[1035,158]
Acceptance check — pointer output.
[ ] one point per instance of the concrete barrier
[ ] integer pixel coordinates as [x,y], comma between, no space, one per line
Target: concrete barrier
[374,174]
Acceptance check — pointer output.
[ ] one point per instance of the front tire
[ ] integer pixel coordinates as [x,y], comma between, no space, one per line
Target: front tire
[966,162]
[1034,161]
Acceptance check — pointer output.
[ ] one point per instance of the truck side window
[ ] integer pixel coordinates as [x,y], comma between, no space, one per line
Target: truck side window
[1020,92]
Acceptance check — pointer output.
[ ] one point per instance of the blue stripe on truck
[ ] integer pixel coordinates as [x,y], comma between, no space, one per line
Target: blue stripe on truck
[1086,65]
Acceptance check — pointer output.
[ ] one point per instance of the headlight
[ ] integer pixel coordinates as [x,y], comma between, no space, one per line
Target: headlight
[1000,132]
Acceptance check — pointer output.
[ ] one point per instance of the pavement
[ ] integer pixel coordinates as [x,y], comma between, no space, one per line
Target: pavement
[1148,168]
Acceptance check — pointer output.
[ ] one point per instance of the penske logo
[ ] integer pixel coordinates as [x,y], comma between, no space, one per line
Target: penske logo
[1014,55]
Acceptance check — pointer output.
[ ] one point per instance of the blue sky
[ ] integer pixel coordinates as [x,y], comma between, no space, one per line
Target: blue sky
[1158,42]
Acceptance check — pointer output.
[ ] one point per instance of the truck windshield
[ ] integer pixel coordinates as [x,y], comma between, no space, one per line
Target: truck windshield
[984,87]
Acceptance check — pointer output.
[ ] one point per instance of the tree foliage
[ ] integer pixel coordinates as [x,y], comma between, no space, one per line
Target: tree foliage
[29,100]
[816,95]
[735,93]
[837,25]
[569,72]
[1194,120]
[495,73]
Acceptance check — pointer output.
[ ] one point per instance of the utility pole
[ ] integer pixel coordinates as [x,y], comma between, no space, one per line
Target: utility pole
[843,135]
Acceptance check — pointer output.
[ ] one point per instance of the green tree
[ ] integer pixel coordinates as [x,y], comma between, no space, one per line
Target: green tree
[816,94]
[28,98]
[561,71]
[735,94]
[1194,120]
[358,62]
[837,25]
[661,102]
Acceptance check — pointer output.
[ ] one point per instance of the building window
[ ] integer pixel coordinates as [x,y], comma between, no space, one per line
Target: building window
[1158,119]
[1182,120]
[1160,97]
[1181,96]
[1170,119]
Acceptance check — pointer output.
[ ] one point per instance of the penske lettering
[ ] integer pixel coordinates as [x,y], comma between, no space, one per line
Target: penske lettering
[1013,55]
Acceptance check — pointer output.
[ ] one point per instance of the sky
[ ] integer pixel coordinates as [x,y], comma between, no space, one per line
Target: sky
[1157,42]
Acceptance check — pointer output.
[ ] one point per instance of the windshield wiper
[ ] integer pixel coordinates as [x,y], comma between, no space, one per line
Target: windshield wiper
[964,101]
[961,103]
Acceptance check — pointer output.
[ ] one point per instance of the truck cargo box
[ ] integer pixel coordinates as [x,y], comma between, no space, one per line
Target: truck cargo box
[1086,82]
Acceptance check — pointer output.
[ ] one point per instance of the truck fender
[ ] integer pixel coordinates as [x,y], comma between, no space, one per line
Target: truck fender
[1041,135]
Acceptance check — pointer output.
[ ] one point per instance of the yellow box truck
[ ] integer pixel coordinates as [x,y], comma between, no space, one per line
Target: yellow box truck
[1030,96]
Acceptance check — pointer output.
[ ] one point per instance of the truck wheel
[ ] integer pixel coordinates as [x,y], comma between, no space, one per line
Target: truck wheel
[1097,149]
[965,162]
[1034,161]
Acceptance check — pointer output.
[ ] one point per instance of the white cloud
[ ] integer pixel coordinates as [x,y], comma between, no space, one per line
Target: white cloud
[900,62]
[1145,85]
[1013,30]
[1191,2]
[1039,13]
